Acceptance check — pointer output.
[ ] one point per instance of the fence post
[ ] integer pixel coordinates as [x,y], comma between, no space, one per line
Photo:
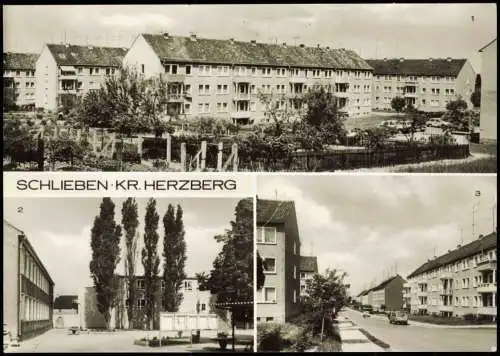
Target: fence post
[94,140]
[183,156]
[203,154]
[169,149]
[234,151]
[139,146]
[113,144]
[219,157]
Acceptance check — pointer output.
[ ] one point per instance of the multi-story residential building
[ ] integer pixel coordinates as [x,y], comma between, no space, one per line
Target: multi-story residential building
[387,295]
[65,72]
[19,78]
[27,287]
[488,113]
[278,243]
[463,281]
[194,302]
[222,78]
[308,268]
[428,84]
[364,297]
[66,312]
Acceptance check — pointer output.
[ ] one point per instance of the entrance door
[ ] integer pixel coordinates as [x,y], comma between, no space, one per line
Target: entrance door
[59,323]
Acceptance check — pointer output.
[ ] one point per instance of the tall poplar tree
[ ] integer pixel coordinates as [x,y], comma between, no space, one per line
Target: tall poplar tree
[130,222]
[150,260]
[105,245]
[174,253]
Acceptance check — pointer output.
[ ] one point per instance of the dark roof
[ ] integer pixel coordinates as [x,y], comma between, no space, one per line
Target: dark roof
[72,55]
[273,211]
[489,44]
[66,302]
[475,247]
[19,60]
[203,50]
[308,264]
[365,292]
[417,67]
[385,283]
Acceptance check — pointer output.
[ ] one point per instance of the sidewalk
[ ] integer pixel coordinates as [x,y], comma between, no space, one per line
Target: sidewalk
[353,340]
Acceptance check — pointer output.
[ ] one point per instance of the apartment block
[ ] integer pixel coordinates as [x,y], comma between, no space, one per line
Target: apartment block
[64,72]
[460,282]
[428,84]
[28,289]
[19,78]
[194,302]
[278,243]
[387,295]
[223,78]
[488,113]
[308,268]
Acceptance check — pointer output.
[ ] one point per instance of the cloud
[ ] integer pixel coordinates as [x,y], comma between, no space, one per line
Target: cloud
[141,20]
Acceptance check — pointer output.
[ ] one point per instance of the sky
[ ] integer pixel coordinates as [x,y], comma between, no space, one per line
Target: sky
[375,226]
[59,230]
[373,30]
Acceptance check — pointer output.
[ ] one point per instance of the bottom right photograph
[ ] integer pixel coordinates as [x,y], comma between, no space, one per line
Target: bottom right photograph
[374,263]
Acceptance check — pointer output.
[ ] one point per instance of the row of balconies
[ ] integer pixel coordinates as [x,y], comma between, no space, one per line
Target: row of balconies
[490,287]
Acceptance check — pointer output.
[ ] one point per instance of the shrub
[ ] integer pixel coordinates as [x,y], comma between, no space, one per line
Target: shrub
[469,317]
[269,337]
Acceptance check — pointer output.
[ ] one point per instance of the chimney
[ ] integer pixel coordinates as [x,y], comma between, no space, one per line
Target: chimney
[327,47]
[301,45]
[165,35]
[90,47]
[449,251]
[480,236]
[458,246]
[318,45]
[193,37]
[430,59]
[448,59]
[231,40]
[67,45]
[253,42]
[385,59]
[401,59]
[284,44]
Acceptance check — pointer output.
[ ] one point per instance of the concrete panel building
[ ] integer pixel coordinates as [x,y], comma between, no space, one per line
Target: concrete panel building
[27,287]
[66,312]
[308,268]
[222,78]
[428,84]
[460,282]
[278,243]
[488,113]
[388,295]
[19,77]
[64,72]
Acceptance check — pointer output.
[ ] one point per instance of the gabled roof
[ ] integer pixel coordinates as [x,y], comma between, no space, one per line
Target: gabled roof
[363,293]
[217,51]
[489,44]
[66,302]
[383,284]
[73,55]
[273,211]
[308,264]
[13,60]
[472,248]
[417,67]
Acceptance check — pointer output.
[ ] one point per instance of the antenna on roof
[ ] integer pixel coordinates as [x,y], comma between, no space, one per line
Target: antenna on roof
[276,194]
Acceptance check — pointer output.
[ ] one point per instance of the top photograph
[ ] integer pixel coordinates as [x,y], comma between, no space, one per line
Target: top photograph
[403,88]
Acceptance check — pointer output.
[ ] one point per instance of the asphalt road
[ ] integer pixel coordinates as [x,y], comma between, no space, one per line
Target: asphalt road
[412,338]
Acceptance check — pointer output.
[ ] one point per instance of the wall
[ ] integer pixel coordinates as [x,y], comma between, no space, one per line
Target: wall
[488,114]
[63,319]
[25,81]
[292,266]
[394,294]
[11,278]
[46,81]
[466,81]
[141,53]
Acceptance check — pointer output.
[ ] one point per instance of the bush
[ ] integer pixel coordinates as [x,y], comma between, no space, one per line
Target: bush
[269,337]
[469,317]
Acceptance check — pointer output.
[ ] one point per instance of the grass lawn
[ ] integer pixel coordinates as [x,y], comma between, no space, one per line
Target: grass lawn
[481,165]
[445,321]
[371,120]
[485,148]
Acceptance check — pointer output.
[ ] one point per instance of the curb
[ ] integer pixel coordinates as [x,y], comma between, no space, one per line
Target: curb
[375,340]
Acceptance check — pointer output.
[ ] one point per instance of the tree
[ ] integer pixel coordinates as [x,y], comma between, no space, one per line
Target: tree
[105,245]
[417,124]
[19,142]
[475,98]
[130,222]
[277,110]
[150,260]
[261,277]
[398,104]
[325,296]
[231,278]
[457,115]
[9,94]
[155,104]
[174,253]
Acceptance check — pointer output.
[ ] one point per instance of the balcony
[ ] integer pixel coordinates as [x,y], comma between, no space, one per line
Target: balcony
[175,97]
[446,308]
[422,306]
[298,79]
[242,79]
[240,114]
[447,291]
[410,83]
[486,266]
[342,80]
[446,275]
[241,96]
[341,94]
[421,292]
[410,95]
[487,288]
[487,310]
[175,78]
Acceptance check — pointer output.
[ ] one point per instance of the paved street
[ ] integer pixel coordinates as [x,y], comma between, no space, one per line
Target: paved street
[58,340]
[413,338]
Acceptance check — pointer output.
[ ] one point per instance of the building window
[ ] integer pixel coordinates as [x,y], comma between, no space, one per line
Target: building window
[140,284]
[270,295]
[142,68]
[269,319]
[188,70]
[188,285]
[174,68]
[141,304]
[270,265]
[203,307]
[266,234]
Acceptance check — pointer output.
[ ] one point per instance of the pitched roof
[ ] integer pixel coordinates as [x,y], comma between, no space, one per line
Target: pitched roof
[417,67]
[13,60]
[365,292]
[489,44]
[383,284]
[66,302]
[472,248]
[308,264]
[273,211]
[204,50]
[73,55]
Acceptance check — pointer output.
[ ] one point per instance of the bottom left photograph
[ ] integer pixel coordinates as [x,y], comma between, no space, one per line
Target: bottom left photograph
[128,274]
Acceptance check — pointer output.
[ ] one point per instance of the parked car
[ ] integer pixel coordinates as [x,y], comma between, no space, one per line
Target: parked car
[366,314]
[398,317]
[437,123]
[393,124]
